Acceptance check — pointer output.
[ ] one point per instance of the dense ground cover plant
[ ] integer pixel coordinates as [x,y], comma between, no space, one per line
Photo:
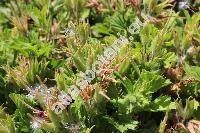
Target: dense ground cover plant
[151,84]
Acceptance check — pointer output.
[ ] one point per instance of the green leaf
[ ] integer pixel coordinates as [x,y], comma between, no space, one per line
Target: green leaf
[85,13]
[162,103]
[131,125]
[150,82]
[125,81]
[79,64]
[19,101]
[100,28]
[192,71]
[6,122]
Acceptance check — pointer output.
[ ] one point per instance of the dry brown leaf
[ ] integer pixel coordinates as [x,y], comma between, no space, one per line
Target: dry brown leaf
[194,126]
